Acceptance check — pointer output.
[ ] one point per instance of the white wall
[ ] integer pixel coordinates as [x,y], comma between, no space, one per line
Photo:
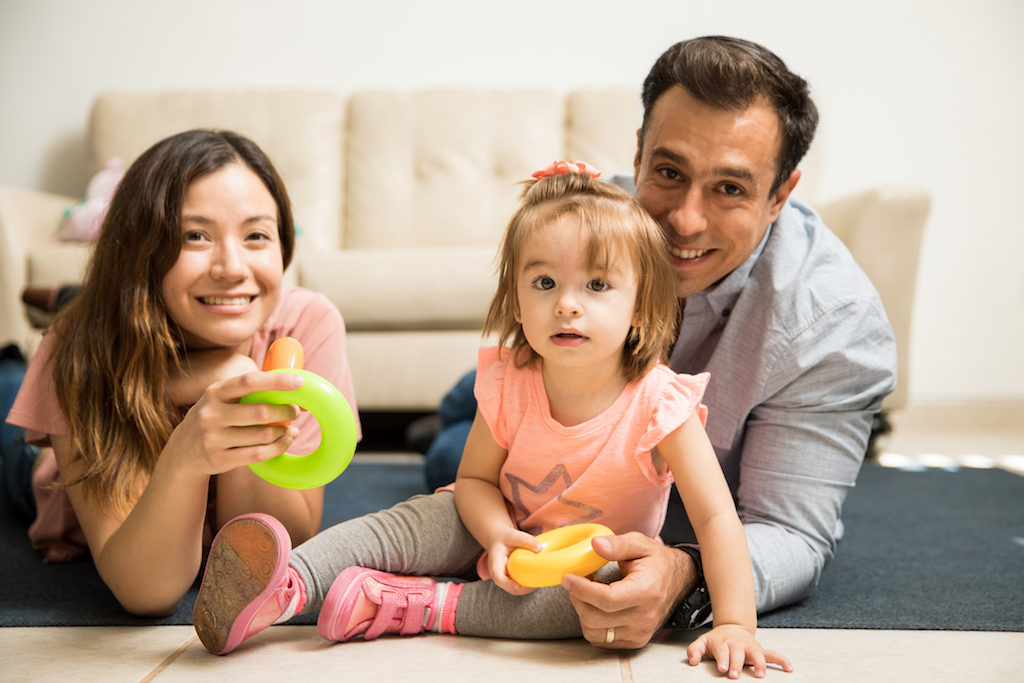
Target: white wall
[911,91]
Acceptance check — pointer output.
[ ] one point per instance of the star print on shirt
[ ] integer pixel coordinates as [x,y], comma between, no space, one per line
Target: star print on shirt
[557,474]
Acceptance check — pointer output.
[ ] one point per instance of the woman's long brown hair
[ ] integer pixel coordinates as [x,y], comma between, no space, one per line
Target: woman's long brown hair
[116,346]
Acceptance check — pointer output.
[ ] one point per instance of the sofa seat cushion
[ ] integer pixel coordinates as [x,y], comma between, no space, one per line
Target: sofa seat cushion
[57,263]
[426,288]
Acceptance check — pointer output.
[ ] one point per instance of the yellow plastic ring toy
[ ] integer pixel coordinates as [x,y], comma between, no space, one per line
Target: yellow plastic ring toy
[566,550]
[337,434]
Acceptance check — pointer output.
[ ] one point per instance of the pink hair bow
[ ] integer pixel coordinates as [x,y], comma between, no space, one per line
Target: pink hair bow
[563,167]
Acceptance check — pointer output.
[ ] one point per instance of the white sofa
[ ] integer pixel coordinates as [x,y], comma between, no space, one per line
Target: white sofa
[400,198]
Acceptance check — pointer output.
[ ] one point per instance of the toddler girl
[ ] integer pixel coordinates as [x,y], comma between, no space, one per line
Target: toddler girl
[578,421]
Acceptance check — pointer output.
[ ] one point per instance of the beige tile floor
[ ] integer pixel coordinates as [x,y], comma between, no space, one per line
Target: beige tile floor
[172,653]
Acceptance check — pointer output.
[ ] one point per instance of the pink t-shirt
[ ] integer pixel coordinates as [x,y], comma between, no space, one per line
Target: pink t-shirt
[598,471]
[307,316]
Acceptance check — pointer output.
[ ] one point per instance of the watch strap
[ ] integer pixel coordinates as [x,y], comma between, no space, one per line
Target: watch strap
[695,608]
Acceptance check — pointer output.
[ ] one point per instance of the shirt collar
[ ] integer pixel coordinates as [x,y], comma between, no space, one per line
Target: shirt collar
[721,297]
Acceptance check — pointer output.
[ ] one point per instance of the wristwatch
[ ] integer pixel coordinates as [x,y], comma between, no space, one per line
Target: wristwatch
[695,609]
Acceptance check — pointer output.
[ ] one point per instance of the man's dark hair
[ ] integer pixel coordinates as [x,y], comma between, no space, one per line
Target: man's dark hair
[729,74]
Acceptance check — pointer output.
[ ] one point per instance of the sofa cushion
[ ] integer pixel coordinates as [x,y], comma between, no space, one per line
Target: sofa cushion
[57,263]
[437,168]
[303,133]
[428,288]
[601,128]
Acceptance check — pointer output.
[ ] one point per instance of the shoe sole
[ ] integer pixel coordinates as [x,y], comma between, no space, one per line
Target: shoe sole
[247,562]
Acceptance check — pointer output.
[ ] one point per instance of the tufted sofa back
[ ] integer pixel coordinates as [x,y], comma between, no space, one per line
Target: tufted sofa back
[387,168]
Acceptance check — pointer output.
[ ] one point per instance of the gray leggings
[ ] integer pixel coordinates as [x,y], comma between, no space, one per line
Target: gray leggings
[424,536]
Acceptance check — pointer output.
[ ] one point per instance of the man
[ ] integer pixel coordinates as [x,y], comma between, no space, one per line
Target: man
[795,337]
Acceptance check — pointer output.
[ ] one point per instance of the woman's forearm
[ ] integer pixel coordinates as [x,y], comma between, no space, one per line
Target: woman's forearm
[153,557]
[240,491]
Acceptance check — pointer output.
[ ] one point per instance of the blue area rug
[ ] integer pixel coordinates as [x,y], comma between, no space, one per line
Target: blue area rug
[72,594]
[923,550]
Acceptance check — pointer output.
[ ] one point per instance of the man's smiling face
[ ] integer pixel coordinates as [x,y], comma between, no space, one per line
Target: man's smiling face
[705,175]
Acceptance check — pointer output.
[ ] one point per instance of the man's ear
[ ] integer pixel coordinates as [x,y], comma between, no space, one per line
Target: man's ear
[778,200]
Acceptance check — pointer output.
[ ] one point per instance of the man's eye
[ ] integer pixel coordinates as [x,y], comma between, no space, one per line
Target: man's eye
[668,173]
[598,285]
[544,282]
[732,190]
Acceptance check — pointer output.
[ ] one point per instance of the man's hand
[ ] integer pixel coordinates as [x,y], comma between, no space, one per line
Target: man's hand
[655,578]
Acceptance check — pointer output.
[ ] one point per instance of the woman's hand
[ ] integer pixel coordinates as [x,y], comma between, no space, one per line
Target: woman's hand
[219,434]
[733,647]
[497,558]
[203,368]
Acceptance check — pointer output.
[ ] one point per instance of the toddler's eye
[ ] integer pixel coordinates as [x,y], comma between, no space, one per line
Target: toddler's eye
[598,285]
[544,282]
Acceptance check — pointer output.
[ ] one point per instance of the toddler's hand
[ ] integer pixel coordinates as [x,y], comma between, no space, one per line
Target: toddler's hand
[732,647]
[497,559]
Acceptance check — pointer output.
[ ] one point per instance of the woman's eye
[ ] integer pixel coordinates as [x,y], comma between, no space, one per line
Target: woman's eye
[258,237]
[544,282]
[597,285]
[193,236]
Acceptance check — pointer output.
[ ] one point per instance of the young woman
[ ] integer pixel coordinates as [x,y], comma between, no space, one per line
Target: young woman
[134,391]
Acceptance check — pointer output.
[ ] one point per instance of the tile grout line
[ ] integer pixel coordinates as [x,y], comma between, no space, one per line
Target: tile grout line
[169,660]
[625,669]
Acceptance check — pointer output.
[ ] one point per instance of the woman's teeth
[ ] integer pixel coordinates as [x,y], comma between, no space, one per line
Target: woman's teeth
[225,301]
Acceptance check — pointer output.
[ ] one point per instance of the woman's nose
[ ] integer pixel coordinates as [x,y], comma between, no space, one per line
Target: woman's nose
[228,262]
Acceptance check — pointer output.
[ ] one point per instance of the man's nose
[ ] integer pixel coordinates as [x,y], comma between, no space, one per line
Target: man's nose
[689,216]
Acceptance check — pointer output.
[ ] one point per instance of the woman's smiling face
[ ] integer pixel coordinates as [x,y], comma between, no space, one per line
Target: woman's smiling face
[227,278]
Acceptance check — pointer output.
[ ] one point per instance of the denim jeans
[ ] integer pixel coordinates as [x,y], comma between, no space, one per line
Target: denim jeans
[16,457]
[458,408]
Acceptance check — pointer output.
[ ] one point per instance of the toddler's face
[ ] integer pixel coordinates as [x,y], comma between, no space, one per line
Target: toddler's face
[574,314]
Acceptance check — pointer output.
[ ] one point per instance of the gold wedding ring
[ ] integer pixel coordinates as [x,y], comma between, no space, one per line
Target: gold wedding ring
[609,634]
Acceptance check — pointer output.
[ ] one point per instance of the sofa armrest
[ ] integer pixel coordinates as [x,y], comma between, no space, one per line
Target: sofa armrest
[883,228]
[27,219]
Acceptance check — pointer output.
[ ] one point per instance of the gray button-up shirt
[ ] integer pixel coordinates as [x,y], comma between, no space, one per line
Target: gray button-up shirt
[801,355]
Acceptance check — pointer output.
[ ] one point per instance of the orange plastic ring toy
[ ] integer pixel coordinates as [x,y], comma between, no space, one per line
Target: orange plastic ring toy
[566,550]
[284,353]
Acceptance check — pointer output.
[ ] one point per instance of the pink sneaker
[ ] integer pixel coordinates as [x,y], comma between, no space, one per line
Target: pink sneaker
[248,584]
[368,602]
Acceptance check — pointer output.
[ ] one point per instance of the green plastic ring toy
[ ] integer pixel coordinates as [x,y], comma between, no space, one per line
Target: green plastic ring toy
[337,434]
